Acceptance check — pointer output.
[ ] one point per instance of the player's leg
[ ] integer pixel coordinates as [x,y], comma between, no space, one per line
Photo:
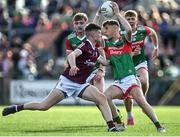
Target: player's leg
[114,92]
[127,83]
[99,84]
[128,102]
[54,97]
[137,94]
[91,93]
[144,79]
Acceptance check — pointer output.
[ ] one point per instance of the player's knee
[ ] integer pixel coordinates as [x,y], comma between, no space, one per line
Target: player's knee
[144,81]
[140,99]
[108,95]
[44,107]
[101,99]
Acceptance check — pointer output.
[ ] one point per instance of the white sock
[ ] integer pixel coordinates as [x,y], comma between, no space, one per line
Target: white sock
[130,114]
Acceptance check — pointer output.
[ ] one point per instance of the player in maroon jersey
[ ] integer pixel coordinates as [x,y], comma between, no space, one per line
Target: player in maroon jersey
[73,80]
[75,39]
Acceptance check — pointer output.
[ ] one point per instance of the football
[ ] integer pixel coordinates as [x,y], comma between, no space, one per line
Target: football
[107,10]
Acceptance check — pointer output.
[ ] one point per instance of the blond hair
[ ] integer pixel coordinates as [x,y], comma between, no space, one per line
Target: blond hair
[79,16]
[130,13]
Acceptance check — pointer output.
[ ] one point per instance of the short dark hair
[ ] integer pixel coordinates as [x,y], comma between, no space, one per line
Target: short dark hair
[111,22]
[91,27]
[79,16]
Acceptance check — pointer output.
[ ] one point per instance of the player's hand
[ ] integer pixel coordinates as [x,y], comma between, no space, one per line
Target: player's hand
[136,51]
[73,71]
[99,75]
[155,54]
[98,13]
[115,7]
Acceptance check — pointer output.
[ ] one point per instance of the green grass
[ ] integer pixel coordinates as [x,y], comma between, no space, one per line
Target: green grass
[85,121]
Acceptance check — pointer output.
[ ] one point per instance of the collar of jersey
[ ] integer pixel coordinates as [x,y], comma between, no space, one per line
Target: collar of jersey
[116,41]
[134,33]
[93,47]
[80,37]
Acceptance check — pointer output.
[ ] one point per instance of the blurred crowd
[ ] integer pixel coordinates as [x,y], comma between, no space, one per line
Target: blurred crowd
[32,37]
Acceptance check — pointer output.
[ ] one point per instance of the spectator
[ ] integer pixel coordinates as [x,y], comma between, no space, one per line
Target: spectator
[26,63]
[51,7]
[43,23]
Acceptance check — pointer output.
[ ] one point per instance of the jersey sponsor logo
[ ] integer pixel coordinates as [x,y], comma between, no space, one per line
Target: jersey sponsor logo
[89,63]
[118,51]
[137,44]
[115,51]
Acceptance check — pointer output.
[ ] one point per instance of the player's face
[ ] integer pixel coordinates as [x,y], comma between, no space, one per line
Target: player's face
[79,25]
[97,36]
[132,20]
[110,30]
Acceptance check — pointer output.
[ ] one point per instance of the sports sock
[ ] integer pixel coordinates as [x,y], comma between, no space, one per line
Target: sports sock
[130,114]
[20,107]
[110,124]
[157,124]
[117,120]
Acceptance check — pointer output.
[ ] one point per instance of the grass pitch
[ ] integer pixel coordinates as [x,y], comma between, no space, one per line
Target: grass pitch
[85,121]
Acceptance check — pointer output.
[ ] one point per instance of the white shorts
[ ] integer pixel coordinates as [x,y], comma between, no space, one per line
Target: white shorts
[90,78]
[70,88]
[142,65]
[127,83]
[92,75]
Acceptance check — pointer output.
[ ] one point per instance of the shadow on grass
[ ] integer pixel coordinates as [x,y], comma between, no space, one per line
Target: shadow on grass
[68,129]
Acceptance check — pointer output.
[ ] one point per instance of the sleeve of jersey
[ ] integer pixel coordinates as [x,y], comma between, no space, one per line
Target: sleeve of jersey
[82,47]
[68,46]
[148,30]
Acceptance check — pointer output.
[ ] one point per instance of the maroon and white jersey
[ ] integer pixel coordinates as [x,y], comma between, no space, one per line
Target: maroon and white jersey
[85,62]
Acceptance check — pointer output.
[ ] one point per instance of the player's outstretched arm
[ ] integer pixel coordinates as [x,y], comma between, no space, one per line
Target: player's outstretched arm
[123,21]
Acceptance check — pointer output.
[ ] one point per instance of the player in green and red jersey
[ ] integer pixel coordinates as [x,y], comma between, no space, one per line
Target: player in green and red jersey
[138,37]
[73,40]
[118,49]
